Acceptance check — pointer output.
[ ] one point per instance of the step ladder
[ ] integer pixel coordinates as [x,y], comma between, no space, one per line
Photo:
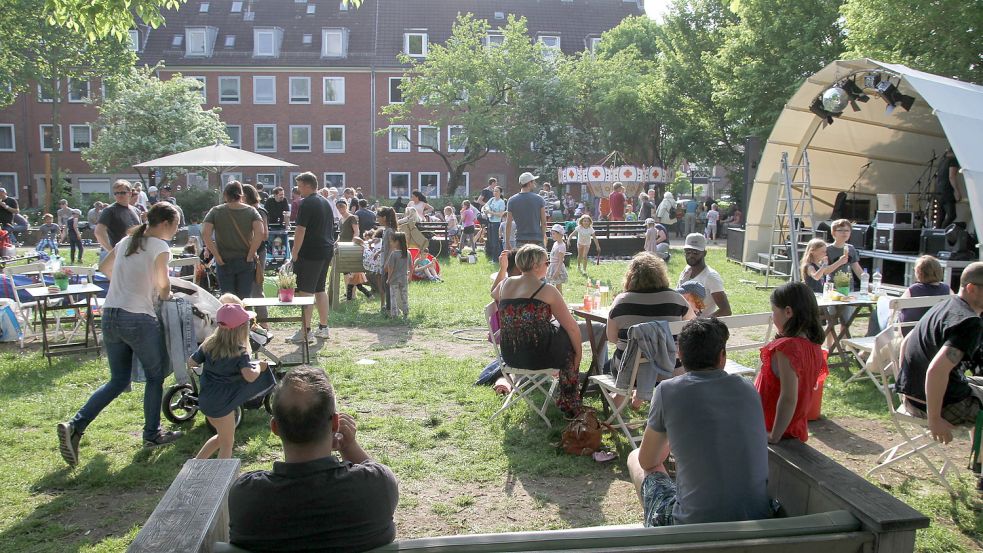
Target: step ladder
[794,224]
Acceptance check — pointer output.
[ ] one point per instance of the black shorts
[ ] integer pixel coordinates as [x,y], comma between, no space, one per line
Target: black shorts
[468,231]
[311,274]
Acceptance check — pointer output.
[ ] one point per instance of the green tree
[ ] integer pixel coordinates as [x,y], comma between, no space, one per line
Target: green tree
[941,37]
[486,89]
[147,118]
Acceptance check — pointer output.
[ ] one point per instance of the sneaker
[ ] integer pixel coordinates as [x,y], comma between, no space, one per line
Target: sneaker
[298,337]
[68,443]
[322,332]
[164,437]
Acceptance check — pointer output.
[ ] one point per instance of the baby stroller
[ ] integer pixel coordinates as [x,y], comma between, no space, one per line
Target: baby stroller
[180,401]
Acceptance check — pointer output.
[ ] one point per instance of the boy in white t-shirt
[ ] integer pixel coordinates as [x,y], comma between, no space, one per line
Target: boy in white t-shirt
[716,303]
[713,216]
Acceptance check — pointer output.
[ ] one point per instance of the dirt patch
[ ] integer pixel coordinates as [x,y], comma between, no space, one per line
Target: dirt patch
[109,514]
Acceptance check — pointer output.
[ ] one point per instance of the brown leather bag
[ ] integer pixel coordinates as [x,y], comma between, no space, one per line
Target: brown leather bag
[260,273]
[582,435]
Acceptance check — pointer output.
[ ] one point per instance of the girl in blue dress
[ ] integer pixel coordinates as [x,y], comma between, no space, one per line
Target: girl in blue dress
[228,379]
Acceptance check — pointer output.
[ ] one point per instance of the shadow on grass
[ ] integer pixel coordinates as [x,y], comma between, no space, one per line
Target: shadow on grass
[839,438]
[575,485]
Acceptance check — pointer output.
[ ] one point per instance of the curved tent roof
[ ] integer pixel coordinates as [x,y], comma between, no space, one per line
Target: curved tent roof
[898,145]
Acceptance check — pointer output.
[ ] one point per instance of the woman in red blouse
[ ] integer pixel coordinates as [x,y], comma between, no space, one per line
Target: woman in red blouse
[792,363]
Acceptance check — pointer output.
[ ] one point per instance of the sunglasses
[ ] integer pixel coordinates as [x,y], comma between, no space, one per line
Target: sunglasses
[121,193]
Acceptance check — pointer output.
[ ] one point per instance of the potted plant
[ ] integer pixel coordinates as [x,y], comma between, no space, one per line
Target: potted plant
[467,255]
[286,282]
[841,281]
[62,278]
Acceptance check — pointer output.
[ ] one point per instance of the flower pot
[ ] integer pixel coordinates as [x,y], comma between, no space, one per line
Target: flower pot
[61,283]
[286,295]
[845,290]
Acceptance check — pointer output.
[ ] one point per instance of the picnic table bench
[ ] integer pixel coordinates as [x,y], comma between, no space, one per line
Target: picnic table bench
[436,232]
[617,238]
[828,509]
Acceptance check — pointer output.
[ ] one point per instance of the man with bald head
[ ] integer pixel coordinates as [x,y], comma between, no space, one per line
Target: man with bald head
[311,501]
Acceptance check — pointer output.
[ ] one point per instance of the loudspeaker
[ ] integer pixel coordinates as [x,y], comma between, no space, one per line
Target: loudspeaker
[862,237]
[932,241]
[856,210]
[897,240]
[752,156]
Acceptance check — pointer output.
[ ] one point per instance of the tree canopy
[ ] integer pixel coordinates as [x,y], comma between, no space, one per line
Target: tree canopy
[147,118]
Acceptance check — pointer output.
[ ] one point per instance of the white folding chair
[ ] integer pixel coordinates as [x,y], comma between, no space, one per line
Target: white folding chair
[182,262]
[31,270]
[886,356]
[618,398]
[524,382]
[82,275]
[861,347]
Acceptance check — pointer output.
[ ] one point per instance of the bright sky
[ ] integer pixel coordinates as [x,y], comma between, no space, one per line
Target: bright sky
[655,8]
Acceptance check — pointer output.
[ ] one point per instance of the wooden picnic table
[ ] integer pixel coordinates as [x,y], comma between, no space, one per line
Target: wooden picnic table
[44,297]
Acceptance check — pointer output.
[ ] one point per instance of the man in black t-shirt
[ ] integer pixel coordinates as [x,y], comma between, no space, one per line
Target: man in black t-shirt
[935,357]
[311,501]
[116,219]
[947,187]
[276,205]
[311,254]
[8,208]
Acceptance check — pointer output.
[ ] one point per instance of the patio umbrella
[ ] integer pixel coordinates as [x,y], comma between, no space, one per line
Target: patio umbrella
[215,158]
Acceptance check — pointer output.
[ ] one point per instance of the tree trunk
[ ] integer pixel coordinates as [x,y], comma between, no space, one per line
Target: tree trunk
[54,182]
[455,179]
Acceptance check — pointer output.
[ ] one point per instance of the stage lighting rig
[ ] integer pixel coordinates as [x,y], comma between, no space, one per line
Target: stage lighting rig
[889,91]
[821,112]
[855,94]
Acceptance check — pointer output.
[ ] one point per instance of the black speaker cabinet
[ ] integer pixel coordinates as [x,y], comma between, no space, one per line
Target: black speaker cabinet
[897,240]
[933,241]
[862,237]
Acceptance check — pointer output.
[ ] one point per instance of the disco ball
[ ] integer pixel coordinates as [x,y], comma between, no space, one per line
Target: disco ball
[835,99]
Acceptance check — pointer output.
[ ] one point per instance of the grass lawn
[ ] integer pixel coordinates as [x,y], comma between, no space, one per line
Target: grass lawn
[410,388]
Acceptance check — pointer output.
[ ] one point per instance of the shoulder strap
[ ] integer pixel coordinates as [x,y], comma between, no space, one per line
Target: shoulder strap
[235,225]
[537,290]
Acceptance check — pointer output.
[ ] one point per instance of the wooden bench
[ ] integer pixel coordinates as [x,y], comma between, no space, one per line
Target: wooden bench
[617,238]
[753,320]
[828,509]
[437,232]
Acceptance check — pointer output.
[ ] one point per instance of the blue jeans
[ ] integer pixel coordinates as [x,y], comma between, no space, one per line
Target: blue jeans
[237,277]
[124,335]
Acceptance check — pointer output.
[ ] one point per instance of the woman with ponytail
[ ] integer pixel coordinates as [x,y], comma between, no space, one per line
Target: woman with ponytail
[137,271]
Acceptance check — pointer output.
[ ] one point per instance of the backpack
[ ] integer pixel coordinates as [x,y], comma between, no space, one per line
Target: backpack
[10,330]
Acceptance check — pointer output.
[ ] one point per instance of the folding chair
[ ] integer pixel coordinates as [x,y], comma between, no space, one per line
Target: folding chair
[523,382]
[917,436]
[861,347]
[31,270]
[619,397]
[82,275]
[181,262]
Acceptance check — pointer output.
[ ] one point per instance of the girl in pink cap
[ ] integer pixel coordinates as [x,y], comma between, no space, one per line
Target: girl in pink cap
[228,379]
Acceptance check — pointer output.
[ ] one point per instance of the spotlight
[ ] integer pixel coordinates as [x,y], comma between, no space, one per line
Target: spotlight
[835,99]
[871,80]
[855,94]
[893,96]
[820,112]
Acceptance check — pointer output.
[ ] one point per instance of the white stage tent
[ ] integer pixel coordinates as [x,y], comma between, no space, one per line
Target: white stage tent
[897,145]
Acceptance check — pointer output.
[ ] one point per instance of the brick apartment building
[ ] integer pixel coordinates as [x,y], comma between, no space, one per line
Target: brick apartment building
[301,81]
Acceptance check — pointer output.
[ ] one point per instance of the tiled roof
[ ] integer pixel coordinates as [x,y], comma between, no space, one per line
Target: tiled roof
[574,21]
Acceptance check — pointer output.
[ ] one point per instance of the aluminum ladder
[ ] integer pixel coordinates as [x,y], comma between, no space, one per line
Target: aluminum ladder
[794,224]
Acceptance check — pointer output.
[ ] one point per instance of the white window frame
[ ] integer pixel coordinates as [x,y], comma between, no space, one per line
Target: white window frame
[494,39]
[550,52]
[342,39]
[324,141]
[264,78]
[260,179]
[177,41]
[236,7]
[419,137]
[467,185]
[83,99]
[300,147]
[290,90]
[409,184]
[339,97]
[593,43]
[392,135]
[71,136]
[61,137]
[230,41]
[234,143]
[450,147]
[14,189]
[419,183]
[225,177]
[425,46]
[256,128]
[391,79]
[190,34]
[328,183]
[134,40]
[43,100]
[204,86]
[222,98]
[13,137]
[203,7]
[261,32]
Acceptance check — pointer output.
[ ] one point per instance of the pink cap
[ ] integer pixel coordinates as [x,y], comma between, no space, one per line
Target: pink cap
[232,315]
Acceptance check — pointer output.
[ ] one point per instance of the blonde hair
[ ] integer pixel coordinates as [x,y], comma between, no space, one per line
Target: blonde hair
[228,342]
[928,270]
[812,246]
[590,222]
[529,257]
[840,223]
[645,272]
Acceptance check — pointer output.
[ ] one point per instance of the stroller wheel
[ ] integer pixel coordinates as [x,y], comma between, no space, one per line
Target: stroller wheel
[238,418]
[180,403]
[268,403]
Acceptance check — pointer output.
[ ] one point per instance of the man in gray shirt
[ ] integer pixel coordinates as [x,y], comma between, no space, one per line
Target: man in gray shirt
[717,429]
[528,210]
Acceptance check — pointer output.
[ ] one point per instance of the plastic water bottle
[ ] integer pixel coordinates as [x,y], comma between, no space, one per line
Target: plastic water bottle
[864,282]
[877,282]
[828,288]
[55,263]
[596,295]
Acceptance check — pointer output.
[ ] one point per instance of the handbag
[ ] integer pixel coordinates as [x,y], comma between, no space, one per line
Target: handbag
[582,435]
[260,273]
